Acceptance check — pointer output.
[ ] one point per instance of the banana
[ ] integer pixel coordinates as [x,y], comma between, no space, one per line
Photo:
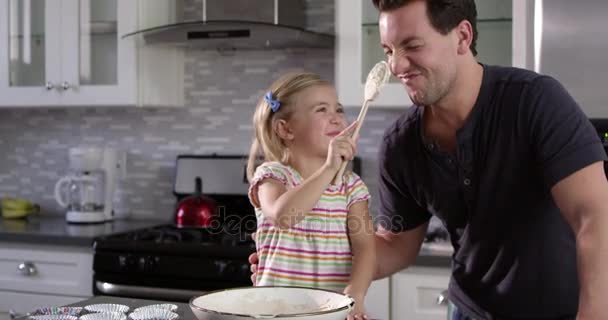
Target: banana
[17,204]
[17,208]
[13,214]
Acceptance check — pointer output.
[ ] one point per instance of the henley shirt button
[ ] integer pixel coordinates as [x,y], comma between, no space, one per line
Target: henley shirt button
[467,182]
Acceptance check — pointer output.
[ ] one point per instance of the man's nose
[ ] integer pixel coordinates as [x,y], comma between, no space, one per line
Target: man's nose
[399,64]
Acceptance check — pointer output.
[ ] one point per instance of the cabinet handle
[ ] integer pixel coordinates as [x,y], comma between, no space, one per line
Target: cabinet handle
[65,85]
[442,298]
[27,268]
[49,86]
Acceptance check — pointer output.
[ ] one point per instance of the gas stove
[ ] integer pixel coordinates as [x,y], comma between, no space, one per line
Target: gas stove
[171,240]
[170,263]
[175,263]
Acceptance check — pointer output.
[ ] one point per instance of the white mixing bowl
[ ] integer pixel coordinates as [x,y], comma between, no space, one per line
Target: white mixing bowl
[285,303]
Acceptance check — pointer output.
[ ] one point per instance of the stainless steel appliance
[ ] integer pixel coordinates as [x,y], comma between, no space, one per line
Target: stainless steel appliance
[601,125]
[568,41]
[171,263]
[241,24]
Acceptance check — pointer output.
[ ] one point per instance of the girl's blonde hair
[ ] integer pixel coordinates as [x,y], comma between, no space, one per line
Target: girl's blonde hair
[267,145]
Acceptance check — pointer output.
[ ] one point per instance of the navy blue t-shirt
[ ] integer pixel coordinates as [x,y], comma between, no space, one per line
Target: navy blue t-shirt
[515,255]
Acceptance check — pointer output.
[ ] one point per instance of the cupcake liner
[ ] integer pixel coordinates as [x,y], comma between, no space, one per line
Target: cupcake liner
[107,307]
[165,306]
[104,316]
[73,311]
[53,317]
[154,314]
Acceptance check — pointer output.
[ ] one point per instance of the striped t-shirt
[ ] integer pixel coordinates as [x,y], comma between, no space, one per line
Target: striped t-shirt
[316,251]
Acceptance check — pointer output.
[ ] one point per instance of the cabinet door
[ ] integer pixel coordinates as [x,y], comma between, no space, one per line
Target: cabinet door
[494,27]
[417,294]
[30,62]
[98,67]
[358,49]
[377,299]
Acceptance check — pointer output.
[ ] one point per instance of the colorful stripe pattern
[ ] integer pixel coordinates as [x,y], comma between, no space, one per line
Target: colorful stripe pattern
[316,251]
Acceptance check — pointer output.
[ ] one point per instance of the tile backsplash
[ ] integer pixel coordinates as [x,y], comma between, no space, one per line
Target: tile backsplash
[221,92]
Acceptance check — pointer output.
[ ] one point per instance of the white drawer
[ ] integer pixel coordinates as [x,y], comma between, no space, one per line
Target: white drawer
[22,303]
[58,269]
[415,294]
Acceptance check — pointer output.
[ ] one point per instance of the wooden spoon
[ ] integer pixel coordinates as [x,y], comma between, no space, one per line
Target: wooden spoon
[376,78]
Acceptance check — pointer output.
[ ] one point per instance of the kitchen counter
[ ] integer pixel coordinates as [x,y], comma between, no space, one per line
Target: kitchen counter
[56,231]
[435,254]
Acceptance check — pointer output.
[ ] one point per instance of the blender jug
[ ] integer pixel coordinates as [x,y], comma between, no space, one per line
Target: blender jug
[81,193]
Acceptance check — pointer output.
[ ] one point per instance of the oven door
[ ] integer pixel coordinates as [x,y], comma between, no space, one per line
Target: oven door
[156,288]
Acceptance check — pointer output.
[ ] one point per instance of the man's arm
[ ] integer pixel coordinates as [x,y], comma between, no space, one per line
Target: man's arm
[582,197]
[397,251]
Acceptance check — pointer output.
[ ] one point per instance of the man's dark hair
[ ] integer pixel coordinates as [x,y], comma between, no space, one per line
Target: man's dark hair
[444,15]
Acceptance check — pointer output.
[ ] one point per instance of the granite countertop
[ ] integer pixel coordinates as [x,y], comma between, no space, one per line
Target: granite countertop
[435,254]
[55,230]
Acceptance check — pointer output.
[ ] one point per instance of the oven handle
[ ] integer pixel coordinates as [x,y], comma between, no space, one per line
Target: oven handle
[145,292]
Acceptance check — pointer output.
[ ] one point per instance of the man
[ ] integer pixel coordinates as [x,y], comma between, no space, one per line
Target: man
[505,158]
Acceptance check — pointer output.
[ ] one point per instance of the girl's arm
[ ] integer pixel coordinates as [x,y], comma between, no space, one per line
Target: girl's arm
[285,208]
[361,234]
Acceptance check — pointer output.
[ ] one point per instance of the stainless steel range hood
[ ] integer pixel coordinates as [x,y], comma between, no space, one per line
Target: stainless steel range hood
[241,24]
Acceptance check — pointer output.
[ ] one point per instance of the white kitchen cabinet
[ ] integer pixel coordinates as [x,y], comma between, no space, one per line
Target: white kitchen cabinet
[35,276]
[357,50]
[71,53]
[418,293]
[358,47]
[377,300]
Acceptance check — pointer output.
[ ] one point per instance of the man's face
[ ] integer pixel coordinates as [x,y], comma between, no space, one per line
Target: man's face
[421,57]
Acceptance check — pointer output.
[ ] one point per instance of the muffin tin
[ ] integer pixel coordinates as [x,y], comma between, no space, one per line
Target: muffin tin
[107,311]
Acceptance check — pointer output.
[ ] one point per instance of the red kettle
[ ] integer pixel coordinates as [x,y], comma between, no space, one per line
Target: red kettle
[196,210]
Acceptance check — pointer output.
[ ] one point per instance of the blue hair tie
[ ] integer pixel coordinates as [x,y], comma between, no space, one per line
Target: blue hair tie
[274,104]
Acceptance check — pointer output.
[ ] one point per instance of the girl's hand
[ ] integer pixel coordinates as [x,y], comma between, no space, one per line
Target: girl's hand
[341,148]
[358,312]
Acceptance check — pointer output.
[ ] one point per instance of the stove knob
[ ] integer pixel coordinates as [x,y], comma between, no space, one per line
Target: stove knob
[231,269]
[151,263]
[141,263]
[221,267]
[127,262]
[122,262]
[245,271]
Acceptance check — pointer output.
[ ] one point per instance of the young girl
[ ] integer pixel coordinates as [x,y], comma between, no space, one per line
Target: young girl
[310,232]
